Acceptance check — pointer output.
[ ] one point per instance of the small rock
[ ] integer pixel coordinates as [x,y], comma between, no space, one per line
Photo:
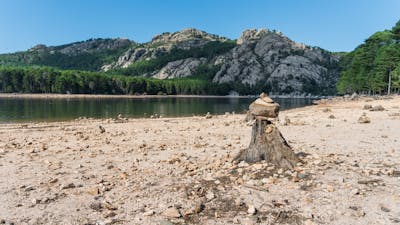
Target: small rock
[384,209]
[286,121]
[110,214]
[102,129]
[367,107]
[327,110]
[67,186]
[96,206]
[252,210]
[199,207]
[110,167]
[377,108]
[124,175]
[330,188]
[243,164]
[94,191]
[265,98]
[35,201]
[331,116]
[354,96]
[52,181]
[149,213]
[210,196]
[355,192]
[364,119]
[29,189]
[172,213]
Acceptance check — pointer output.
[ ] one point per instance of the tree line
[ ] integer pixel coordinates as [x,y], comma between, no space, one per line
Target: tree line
[374,65]
[50,80]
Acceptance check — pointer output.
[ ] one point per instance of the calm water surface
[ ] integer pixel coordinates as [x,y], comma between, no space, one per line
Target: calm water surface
[24,110]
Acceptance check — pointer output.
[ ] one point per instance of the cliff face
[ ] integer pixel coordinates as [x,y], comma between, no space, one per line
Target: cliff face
[162,44]
[285,66]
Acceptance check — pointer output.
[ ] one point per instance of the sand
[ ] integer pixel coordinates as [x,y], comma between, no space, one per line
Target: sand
[179,170]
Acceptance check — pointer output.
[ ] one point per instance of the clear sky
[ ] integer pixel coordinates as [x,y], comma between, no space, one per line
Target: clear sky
[336,25]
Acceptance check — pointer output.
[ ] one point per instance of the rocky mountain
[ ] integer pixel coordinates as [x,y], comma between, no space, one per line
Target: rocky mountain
[284,66]
[164,43]
[259,60]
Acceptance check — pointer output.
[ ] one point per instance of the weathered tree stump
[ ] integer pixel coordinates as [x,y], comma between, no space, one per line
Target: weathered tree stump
[267,142]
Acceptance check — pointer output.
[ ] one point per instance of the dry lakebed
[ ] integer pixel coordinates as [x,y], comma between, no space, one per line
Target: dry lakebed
[180,171]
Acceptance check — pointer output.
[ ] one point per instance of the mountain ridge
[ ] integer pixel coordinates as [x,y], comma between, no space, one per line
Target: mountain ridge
[259,59]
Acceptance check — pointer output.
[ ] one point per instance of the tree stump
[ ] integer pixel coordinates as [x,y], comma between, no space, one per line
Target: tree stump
[267,142]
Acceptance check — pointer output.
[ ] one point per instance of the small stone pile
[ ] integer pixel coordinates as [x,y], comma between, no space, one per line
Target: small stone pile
[264,107]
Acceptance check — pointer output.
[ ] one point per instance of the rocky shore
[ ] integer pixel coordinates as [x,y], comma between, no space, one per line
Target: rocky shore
[180,171]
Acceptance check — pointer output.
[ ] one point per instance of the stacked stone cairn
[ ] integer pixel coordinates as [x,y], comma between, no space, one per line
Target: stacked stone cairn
[267,143]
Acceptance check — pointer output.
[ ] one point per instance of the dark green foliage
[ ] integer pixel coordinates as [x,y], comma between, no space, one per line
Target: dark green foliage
[85,61]
[367,68]
[49,80]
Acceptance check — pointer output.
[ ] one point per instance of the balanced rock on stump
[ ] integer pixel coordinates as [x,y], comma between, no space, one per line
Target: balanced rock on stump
[267,142]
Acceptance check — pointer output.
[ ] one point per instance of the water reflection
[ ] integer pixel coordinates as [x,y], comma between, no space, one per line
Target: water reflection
[12,110]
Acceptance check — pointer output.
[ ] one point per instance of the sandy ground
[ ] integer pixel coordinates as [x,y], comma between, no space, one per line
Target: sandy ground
[179,171]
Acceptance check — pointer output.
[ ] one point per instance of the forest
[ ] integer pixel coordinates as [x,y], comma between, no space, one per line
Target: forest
[373,65]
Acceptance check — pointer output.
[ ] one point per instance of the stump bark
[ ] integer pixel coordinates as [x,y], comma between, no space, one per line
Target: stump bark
[267,143]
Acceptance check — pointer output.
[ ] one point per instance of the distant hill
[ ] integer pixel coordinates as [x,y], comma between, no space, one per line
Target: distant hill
[369,67]
[260,60]
[88,55]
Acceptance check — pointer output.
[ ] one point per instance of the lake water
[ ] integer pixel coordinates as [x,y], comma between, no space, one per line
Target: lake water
[25,110]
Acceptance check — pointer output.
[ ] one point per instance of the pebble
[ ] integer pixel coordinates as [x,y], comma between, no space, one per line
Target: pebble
[199,207]
[35,201]
[355,192]
[243,164]
[330,188]
[384,209]
[67,186]
[110,214]
[208,115]
[149,213]
[52,181]
[210,196]
[96,206]
[252,210]
[172,213]
[364,119]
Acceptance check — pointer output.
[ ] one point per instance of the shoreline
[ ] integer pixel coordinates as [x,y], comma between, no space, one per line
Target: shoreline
[88,96]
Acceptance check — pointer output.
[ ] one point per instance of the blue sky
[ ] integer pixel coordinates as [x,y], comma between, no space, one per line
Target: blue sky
[336,25]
